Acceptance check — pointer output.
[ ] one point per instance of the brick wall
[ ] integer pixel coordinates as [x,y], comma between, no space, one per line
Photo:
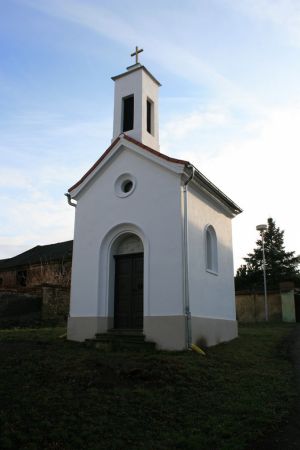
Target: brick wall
[48,304]
[20,309]
[56,301]
[35,275]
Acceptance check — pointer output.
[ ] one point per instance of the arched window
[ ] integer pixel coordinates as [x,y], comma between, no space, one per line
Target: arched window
[211,249]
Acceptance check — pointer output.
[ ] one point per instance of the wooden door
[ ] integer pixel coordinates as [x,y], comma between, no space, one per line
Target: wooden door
[129,274]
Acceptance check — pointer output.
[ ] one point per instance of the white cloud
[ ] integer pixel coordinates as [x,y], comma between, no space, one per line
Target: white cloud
[176,58]
[256,165]
[181,126]
[261,173]
[196,136]
[285,14]
[92,16]
[14,178]
[33,207]
[8,250]
[32,212]
[34,222]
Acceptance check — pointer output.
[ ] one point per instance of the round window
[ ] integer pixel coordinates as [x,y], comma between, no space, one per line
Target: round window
[125,185]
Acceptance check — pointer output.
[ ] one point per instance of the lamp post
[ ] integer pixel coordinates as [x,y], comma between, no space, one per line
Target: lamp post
[262,228]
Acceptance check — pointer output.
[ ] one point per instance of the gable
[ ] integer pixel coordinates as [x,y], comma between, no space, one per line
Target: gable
[147,180]
[174,165]
[121,143]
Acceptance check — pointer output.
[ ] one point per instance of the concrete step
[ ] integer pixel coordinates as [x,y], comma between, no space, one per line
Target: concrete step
[113,341]
[120,337]
[125,331]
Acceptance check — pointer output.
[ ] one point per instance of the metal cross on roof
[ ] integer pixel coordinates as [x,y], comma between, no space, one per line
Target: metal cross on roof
[136,54]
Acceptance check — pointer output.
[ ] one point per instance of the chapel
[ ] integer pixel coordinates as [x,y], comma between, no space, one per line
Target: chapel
[152,250]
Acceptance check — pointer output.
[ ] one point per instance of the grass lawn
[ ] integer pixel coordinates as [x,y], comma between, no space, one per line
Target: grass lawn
[61,395]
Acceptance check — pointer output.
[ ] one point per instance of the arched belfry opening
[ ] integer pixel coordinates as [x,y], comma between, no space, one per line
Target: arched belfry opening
[128,254]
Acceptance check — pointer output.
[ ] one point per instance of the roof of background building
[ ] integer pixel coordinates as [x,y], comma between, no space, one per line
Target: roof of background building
[40,254]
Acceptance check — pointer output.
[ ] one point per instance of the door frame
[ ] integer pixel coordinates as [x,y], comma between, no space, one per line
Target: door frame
[106,269]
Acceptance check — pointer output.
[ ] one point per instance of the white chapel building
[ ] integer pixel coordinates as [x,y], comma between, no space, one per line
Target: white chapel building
[152,242]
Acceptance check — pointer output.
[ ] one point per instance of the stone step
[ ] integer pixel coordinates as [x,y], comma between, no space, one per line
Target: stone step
[120,337]
[125,331]
[105,338]
[120,342]
[109,346]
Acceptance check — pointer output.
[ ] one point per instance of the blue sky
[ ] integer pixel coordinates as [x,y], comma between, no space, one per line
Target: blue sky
[229,103]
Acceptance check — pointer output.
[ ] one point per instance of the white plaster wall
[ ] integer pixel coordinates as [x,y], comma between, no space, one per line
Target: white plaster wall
[210,295]
[124,86]
[154,208]
[150,90]
[141,86]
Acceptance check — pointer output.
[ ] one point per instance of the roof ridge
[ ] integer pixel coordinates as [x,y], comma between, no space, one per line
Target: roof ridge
[209,185]
[133,141]
[39,253]
[156,152]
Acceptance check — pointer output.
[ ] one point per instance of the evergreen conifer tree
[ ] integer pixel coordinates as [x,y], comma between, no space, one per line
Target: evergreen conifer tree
[280,265]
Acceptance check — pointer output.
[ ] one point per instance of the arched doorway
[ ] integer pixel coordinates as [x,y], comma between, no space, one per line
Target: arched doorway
[129,282]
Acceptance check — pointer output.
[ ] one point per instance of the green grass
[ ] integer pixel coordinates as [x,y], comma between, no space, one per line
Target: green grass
[59,395]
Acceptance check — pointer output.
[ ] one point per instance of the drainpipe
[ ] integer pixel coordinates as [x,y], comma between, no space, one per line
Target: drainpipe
[185,262]
[70,200]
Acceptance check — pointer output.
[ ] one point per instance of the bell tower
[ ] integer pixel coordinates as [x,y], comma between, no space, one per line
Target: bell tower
[136,104]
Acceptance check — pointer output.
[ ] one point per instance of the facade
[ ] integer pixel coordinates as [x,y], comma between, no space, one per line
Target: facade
[152,242]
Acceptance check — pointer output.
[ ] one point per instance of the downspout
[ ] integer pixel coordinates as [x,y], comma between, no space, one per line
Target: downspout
[70,200]
[71,204]
[186,261]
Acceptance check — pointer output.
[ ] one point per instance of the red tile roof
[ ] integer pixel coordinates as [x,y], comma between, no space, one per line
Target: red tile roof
[134,141]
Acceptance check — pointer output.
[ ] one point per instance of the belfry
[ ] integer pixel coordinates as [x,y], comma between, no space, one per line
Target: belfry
[136,105]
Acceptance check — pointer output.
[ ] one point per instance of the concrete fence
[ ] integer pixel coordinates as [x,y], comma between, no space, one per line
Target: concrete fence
[283,305]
